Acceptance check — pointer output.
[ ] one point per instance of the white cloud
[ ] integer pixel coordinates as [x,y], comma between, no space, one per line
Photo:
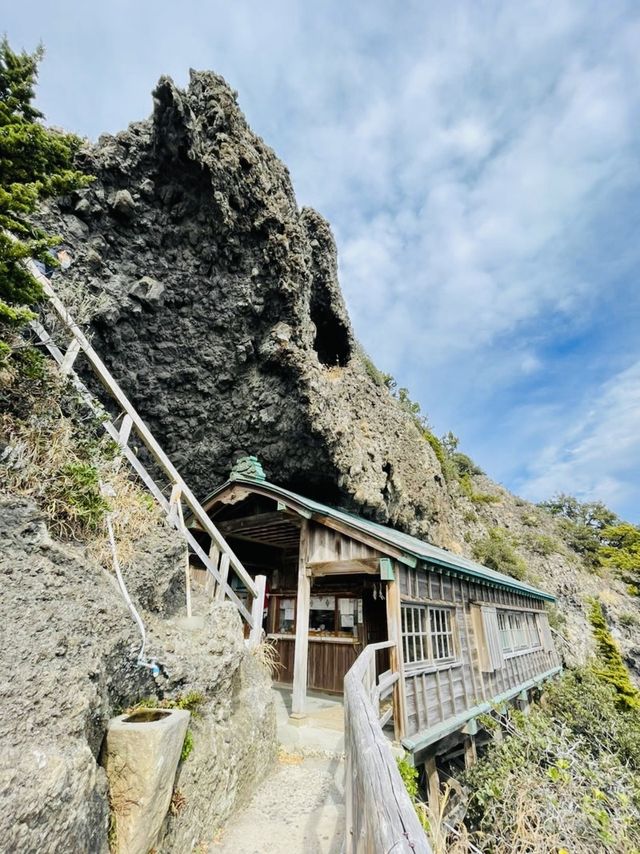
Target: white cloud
[597,454]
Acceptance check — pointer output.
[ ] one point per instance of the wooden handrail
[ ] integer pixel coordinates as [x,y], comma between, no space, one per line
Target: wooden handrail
[133,421]
[379,814]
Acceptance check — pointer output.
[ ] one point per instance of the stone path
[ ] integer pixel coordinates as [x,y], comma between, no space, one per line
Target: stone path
[297,809]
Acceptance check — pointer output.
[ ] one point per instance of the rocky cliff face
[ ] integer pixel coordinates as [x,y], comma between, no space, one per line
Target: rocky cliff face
[225,322]
[222,317]
[68,664]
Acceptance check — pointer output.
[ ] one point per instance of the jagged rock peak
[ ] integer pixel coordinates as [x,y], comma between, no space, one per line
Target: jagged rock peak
[222,314]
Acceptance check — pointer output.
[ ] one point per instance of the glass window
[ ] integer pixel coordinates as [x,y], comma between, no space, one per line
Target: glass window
[519,638]
[286,616]
[532,628]
[442,642]
[505,634]
[414,633]
[518,631]
[427,634]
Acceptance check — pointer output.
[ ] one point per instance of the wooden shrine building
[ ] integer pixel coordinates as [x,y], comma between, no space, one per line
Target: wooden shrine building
[467,638]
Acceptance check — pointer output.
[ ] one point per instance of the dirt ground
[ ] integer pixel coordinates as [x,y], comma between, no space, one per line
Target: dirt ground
[299,807]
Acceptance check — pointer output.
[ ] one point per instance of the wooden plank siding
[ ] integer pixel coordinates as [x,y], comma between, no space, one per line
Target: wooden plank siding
[328,545]
[435,694]
[327,663]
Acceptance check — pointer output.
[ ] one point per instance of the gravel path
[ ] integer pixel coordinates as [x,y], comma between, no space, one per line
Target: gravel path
[297,809]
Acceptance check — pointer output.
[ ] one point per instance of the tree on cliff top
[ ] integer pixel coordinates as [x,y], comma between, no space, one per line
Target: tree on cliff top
[36,162]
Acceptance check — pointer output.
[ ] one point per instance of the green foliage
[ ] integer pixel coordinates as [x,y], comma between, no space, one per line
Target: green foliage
[187,746]
[467,489]
[566,778]
[610,666]
[409,776]
[497,551]
[78,487]
[36,162]
[620,549]
[597,535]
[191,702]
[591,514]
[540,544]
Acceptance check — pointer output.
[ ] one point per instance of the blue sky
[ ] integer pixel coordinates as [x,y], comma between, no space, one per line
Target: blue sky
[479,163]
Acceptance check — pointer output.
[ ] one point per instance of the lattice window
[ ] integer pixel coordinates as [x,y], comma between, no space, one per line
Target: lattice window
[505,634]
[442,637]
[519,638]
[533,631]
[415,637]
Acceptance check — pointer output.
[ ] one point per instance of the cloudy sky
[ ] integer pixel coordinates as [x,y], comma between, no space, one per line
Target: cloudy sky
[479,163]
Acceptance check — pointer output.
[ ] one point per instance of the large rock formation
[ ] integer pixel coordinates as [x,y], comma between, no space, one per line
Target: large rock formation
[68,664]
[225,322]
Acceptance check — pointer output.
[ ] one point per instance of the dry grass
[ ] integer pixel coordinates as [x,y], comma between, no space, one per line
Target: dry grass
[82,303]
[266,653]
[286,758]
[61,471]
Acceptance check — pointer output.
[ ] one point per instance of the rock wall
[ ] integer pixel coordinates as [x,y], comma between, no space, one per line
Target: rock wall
[68,663]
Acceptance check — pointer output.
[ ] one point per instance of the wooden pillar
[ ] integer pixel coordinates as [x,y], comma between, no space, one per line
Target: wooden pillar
[299,699]
[523,702]
[224,576]
[470,752]
[394,632]
[433,784]
[257,609]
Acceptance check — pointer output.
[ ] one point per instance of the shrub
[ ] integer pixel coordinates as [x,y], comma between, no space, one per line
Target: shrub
[467,489]
[610,666]
[566,778]
[540,544]
[497,550]
[37,163]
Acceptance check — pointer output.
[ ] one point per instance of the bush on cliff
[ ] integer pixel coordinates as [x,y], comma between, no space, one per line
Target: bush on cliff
[36,162]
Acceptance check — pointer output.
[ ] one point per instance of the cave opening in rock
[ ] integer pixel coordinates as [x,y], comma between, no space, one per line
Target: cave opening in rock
[331,342]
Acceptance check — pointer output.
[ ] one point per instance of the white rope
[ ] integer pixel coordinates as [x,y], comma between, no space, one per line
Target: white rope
[125,592]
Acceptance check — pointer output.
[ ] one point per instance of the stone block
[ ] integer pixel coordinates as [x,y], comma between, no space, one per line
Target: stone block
[141,756]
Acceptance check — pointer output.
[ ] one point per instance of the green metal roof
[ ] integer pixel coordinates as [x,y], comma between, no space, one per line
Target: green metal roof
[415,549]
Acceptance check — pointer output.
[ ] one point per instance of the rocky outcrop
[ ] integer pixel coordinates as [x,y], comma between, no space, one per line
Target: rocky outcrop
[224,319]
[69,663]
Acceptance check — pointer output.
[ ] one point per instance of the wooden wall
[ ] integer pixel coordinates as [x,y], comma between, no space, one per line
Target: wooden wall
[437,693]
[328,662]
[326,544]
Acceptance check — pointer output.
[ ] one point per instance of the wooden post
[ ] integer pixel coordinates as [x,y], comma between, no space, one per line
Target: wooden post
[394,631]
[224,574]
[214,557]
[470,752]
[257,610]
[298,703]
[523,702]
[434,784]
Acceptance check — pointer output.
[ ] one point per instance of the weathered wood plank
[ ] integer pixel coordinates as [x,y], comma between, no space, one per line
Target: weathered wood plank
[379,814]
[298,702]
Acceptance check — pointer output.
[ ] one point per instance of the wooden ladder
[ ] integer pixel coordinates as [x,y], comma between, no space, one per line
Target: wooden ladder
[221,557]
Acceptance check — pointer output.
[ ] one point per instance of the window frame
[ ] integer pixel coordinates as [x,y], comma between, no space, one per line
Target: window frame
[429,632]
[519,632]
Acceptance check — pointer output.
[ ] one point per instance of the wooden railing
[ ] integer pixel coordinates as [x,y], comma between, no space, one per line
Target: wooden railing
[379,814]
[221,557]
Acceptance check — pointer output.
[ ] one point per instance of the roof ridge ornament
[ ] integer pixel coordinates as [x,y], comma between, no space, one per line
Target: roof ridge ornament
[248,468]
